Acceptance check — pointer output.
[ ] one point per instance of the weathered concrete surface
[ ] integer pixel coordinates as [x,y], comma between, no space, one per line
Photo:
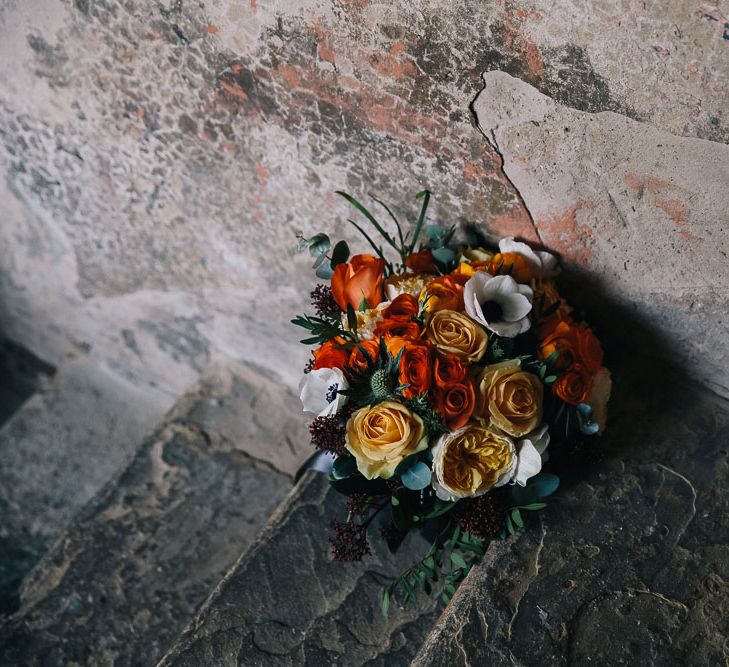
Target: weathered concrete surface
[287,603]
[56,452]
[629,566]
[641,210]
[157,156]
[133,567]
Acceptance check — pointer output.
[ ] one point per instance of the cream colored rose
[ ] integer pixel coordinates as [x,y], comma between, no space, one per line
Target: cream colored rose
[509,398]
[381,436]
[471,461]
[456,333]
[406,283]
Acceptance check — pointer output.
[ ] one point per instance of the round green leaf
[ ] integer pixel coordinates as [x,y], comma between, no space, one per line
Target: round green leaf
[416,477]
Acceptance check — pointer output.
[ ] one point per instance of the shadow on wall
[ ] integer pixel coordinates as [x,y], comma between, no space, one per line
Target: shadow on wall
[648,394]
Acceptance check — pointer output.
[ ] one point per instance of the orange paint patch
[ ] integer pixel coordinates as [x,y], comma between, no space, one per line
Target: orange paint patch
[568,236]
[212,29]
[644,183]
[262,173]
[519,43]
[392,65]
[675,209]
[513,223]
[233,89]
[325,53]
[289,75]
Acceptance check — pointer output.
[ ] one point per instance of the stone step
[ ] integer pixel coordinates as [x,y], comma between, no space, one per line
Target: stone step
[629,566]
[134,566]
[22,374]
[286,602]
[56,452]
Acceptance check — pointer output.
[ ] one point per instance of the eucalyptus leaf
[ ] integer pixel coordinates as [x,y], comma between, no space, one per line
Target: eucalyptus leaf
[545,484]
[590,428]
[319,244]
[325,271]
[585,410]
[416,477]
[444,255]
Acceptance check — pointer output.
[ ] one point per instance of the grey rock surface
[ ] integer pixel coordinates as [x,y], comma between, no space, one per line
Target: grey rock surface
[627,566]
[639,210]
[57,451]
[133,567]
[286,602]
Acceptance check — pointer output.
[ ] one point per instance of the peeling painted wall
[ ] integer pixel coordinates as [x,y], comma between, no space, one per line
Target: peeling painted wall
[158,156]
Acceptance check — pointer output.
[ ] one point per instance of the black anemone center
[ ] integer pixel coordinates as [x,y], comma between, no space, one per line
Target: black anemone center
[332,392]
[492,311]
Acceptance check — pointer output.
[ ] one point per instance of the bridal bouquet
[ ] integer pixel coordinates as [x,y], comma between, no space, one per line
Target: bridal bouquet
[443,379]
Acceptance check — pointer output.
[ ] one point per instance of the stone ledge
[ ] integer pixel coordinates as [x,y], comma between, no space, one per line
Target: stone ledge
[134,566]
[287,603]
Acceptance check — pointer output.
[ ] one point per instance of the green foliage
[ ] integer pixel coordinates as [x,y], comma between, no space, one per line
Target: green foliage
[404,244]
[434,425]
[322,329]
[450,558]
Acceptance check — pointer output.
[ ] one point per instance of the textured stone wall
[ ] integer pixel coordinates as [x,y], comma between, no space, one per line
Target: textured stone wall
[157,157]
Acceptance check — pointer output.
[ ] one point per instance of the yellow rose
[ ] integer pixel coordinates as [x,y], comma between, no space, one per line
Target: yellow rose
[456,333]
[381,436]
[509,398]
[471,461]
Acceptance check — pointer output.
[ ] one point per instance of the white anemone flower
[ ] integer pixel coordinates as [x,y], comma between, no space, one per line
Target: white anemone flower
[500,303]
[544,264]
[319,391]
[530,454]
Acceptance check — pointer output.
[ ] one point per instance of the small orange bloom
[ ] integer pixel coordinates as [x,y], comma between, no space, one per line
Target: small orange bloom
[416,369]
[421,262]
[456,403]
[576,345]
[358,280]
[403,307]
[331,354]
[462,273]
[444,294]
[513,264]
[399,328]
[357,360]
[448,370]
[574,385]
[397,318]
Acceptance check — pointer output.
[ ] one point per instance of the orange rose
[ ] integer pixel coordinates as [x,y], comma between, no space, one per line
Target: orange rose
[574,385]
[456,403]
[416,369]
[402,307]
[397,318]
[357,360]
[575,344]
[358,280]
[398,328]
[448,370]
[513,264]
[444,294]
[331,354]
[421,262]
